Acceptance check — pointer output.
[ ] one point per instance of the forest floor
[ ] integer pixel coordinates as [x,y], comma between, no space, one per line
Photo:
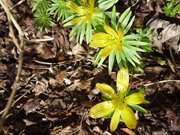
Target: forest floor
[57,83]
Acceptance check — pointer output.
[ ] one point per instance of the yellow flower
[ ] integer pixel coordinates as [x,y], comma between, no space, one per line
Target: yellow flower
[117,44]
[86,16]
[120,103]
[108,41]
[85,11]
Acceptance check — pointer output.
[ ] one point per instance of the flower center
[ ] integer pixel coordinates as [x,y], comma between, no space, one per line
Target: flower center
[88,13]
[118,102]
[118,39]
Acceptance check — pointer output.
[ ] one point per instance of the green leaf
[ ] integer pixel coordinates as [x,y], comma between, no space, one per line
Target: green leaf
[131,37]
[106,4]
[41,15]
[132,56]
[118,57]
[88,32]
[102,109]
[42,20]
[113,17]
[129,57]
[123,58]
[172,8]
[67,22]
[82,33]
[129,24]
[137,43]
[111,61]
[98,57]
[123,16]
[138,108]
[59,9]
[135,49]
[101,61]
[125,22]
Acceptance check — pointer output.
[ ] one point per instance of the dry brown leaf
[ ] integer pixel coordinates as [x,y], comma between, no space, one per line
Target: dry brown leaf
[40,87]
[28,122]
[128,131]
[45,51]
[64,131]
[31,105]
[78,51]
[82,84]
[53,82]
[165,32]
[61,76]
[82,131]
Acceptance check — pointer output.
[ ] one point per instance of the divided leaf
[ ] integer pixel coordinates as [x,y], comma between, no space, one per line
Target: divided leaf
[106,4]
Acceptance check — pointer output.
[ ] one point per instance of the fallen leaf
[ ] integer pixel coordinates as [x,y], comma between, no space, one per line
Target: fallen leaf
[40,87]
[165,33]
[78,51]
[83,84]
[128,131]
[82,131]
[61,76]
[31,105]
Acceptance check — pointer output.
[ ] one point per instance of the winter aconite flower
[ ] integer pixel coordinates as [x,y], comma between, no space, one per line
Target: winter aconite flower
[120,102]
[117,43]
[87,15]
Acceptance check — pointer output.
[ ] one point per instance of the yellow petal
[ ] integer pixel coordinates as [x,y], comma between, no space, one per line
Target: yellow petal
[115,120]
[91,4]
[102,109]
[128,117]
[122,79]
[74,7]
[106,51]
[110,31]
[120,34]
[135,98]
[100,40]
[105,89]
[75,21]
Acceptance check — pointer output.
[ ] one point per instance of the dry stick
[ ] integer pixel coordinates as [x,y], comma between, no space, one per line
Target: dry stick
[159,82]
[14,6]
[20,59]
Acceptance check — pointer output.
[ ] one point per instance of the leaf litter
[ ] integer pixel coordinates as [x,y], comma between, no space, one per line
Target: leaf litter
[57,87]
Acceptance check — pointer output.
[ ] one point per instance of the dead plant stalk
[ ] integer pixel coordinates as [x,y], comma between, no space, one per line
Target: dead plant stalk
[20,46]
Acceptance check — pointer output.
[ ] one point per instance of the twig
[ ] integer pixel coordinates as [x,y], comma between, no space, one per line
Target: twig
[12,35]
[20,47]
[159,82]
[171,65]
[17,4]
[40,40]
